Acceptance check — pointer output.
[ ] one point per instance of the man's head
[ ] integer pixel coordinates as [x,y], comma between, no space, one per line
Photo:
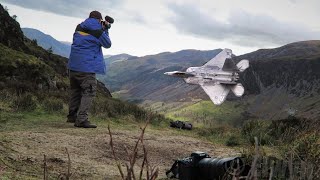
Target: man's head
[96,15]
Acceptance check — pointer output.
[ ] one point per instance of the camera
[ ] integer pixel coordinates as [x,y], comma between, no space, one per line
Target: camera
[200,166]
[110,21]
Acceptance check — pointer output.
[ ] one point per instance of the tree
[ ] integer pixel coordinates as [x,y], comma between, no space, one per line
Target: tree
[14,17]
[50,50]
[6,8]
[35,42]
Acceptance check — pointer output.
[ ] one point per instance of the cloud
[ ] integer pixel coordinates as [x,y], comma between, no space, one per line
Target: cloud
[82,8]
[134,16]
[72,8]
[293,1]
[240,27]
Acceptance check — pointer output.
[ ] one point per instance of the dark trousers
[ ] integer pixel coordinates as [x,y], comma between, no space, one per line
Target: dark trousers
[82,90]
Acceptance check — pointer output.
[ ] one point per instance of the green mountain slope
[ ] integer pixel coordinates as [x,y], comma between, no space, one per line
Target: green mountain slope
[141,78]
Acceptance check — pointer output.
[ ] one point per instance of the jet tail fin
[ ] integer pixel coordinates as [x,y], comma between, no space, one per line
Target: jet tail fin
[237,89]
[243,65]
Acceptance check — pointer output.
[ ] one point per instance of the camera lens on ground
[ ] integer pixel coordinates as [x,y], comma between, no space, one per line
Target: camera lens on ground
[217,168]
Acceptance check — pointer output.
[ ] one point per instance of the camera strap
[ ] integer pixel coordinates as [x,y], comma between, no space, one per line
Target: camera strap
[96,33]
[173,171]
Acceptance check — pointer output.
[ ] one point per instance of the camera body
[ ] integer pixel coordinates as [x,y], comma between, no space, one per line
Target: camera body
[200,166]
[110,21]
[188,167]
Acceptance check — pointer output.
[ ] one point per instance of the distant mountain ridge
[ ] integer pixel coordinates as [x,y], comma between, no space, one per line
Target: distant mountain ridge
[47,41]
[119,57]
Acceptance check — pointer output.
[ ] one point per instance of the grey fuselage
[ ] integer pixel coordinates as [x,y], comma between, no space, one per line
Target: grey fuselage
[211,75]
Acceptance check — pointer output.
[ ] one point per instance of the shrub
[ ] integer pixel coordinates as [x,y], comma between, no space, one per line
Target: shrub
[259,129]
[25,102]
[308,147]
[52,105]
[233,141]
[110,107]
[219,131]
[107,107]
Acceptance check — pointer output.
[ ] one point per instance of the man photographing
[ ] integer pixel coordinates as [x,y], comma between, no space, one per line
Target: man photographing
[85,61]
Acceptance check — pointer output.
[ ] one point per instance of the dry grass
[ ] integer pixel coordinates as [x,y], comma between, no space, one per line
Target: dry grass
[89,150]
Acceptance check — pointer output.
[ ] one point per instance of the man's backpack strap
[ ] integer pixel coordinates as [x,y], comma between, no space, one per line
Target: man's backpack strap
[95,33]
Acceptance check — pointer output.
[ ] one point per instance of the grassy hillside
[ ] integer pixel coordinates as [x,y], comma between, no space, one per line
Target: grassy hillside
[23,72]
[28,83]
[205,113]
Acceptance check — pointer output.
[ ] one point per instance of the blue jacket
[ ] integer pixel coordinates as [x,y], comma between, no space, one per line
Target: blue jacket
[86,53]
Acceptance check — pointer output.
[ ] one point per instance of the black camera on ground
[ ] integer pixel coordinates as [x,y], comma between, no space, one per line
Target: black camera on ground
[200,166]
[181,125]
[110,21]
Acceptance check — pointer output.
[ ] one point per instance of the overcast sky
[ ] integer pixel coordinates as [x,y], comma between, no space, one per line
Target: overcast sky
[145,27]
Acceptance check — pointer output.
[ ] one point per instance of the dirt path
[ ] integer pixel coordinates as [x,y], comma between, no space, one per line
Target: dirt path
[89,149]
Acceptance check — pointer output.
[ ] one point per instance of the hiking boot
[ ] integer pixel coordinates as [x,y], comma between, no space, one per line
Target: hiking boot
[85,124]
[71,119]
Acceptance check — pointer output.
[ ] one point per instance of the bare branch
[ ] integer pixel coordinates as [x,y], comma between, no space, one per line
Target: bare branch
[253,173]
[290,163]
[154,174]
[128,172]
[127,164]
[271,171]
[2,169]
[114,154]
[145,150]
[69,165]
[142,166]
[132,158]
[45,168]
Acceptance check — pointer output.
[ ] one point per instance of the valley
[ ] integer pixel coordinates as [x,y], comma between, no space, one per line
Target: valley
[277,80]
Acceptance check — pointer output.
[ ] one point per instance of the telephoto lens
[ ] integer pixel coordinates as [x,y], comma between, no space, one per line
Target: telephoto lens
[218,168]
[200,166]
[109,19]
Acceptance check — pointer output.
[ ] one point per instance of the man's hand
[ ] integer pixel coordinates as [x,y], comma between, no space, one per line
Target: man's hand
[106,25]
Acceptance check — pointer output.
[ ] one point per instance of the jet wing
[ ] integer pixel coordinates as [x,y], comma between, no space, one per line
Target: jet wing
[219,59]
[217,93]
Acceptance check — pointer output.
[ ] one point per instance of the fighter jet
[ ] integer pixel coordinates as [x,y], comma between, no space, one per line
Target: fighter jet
[215,78]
